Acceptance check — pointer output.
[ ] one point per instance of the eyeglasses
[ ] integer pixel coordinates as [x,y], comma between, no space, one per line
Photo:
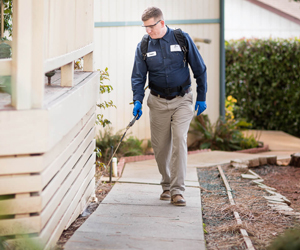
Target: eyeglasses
[151,26]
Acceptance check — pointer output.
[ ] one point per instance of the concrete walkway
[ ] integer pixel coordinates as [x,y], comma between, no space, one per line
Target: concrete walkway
[132,216]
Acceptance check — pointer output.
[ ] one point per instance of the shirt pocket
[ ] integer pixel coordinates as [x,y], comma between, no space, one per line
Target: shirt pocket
[176,60]
[155,63]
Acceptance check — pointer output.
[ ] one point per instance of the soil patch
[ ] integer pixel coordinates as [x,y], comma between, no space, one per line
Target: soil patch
[286,180]
[261,222]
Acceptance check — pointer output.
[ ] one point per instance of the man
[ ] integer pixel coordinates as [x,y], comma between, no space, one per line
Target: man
[171,99]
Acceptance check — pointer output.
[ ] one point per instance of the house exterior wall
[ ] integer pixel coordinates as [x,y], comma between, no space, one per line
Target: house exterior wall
[245,19]
[118,33]
[47,158]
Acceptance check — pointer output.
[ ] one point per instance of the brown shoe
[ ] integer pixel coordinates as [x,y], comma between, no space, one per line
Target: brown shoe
[178,200]
[166,195]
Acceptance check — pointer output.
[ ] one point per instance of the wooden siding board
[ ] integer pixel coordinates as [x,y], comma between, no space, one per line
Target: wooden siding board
[59,217]
[68,111]
[20,226]
[87,187]
[20,206]
[68,182]
[41,130]
[72,22]
[83,203]
[85,124]
[57,225]
[19,184]
[19,128]
[62,59]
[70,154]
[21,164]
[63,173]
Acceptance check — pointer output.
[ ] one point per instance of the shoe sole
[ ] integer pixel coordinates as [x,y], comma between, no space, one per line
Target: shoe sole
[179,204]
[165,199]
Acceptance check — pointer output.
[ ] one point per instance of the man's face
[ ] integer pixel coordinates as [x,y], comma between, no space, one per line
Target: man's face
[154,28]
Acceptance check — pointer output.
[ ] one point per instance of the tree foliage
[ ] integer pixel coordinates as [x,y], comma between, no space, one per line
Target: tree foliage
[8,8]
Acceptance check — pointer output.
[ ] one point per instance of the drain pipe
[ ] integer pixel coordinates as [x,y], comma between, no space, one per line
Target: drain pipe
[222,59]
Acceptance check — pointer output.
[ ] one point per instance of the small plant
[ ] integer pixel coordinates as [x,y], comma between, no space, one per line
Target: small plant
[224,135]
[129,147]
[105,140]
[104,88]
[229,107]
[290,240]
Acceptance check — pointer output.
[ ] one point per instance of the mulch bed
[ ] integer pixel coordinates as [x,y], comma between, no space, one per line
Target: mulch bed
[261,222]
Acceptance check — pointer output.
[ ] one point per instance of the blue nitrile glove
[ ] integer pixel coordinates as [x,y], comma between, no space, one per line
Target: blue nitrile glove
[201,106]
[137,109]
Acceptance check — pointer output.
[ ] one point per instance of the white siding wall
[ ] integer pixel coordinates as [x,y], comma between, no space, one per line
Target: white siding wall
[115,49]
[245,19]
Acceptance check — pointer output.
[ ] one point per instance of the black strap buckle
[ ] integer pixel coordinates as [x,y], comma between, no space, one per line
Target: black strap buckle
[182,91]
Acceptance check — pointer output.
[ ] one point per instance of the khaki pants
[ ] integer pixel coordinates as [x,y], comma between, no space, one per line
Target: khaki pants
[169,123]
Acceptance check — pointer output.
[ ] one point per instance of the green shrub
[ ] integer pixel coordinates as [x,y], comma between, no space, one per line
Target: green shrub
[131,147]
[223,135]
[128,147]
[105,140]
[263,75]
[290,240]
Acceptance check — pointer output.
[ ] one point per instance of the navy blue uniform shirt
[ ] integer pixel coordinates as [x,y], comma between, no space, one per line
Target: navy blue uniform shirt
[166,68]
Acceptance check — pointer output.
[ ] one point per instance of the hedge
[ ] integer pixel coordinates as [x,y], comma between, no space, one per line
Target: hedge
[264,77]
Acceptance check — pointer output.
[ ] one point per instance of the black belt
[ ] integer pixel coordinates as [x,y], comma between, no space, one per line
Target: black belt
[168,97]
[170,91]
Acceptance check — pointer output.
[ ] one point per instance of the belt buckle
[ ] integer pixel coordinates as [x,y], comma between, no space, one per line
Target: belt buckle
[167,91]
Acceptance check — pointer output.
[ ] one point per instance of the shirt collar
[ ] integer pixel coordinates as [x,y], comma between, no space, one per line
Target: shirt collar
[166,37]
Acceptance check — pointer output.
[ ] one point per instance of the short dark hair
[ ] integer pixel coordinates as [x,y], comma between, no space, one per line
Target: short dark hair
[152,12]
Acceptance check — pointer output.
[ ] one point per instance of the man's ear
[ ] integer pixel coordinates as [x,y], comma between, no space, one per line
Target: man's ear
[162,22]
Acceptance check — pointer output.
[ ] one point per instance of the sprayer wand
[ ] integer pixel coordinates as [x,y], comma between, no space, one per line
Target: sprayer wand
[128,126]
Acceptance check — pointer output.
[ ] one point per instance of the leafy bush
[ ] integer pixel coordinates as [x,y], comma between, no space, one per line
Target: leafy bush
[132,146]
[105,140]
[223,135]
[129,147]
[226,134]
[263,75]
[290,240]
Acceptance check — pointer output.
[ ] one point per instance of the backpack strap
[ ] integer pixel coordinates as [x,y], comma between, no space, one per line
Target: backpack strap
[182,42]
[144,45]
